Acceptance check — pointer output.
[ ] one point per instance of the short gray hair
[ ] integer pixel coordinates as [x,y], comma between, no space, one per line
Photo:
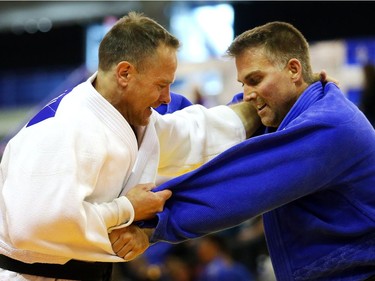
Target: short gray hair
[280,41]
[134,38]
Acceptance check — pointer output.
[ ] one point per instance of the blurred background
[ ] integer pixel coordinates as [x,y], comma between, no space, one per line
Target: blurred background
[49,46]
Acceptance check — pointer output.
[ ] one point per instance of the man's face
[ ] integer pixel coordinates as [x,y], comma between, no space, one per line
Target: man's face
[149,87]
[268,87]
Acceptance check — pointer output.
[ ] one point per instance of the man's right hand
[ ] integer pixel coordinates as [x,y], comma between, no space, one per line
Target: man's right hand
[147,203]
[129,242]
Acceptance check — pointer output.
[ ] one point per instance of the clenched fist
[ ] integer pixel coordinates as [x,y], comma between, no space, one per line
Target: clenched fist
[129,242]
[147,203]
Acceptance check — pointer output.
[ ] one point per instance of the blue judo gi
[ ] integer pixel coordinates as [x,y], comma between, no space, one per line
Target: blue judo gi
[313,179]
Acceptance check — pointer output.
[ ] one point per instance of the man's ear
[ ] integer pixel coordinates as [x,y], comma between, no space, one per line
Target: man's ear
[295,69]
[123,72]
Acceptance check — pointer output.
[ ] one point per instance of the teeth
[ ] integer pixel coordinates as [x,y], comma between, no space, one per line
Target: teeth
[261,107]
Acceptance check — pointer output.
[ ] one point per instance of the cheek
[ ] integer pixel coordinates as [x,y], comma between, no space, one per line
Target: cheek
[275,89]
[144,96]
[149,92]
[269,91]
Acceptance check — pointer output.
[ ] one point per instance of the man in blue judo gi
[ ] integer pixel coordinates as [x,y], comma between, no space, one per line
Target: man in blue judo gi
[310,172]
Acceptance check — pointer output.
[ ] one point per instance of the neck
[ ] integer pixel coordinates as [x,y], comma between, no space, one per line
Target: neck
[105,86]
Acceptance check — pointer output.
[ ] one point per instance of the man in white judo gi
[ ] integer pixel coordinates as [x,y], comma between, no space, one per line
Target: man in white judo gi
[86,163]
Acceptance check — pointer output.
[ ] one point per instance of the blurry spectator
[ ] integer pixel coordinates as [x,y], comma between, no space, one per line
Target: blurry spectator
[198,96]
[180,263]
[250,246]
[367,104]
[217,262]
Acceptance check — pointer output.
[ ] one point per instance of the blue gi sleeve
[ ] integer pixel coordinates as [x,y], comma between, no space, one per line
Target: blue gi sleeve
[260,174]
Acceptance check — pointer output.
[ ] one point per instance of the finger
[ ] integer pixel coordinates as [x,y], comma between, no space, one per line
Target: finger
[120,244]
[125,250]
[113,236]
[117,246]
[131,255]
[323,75]
[122,247]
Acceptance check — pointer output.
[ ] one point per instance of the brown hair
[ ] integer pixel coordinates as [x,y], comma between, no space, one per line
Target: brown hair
[280,41]
[134,38]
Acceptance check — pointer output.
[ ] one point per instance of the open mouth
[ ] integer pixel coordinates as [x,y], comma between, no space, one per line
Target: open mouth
[260,107]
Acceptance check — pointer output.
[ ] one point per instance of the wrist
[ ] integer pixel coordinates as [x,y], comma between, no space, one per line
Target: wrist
[149,232]
[248,116]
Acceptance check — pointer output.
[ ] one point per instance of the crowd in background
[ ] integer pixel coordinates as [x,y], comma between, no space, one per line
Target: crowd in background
[367,104]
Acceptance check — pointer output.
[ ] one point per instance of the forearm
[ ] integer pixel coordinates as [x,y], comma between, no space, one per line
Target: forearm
[199,134]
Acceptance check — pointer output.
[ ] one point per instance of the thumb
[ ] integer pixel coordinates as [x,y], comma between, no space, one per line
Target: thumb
[165,194]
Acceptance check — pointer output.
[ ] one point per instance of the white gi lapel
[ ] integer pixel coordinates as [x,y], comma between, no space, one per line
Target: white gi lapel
[146,164]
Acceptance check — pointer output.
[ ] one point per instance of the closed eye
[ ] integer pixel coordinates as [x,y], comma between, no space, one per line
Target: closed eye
[161,87]
[253,78]
[253,81]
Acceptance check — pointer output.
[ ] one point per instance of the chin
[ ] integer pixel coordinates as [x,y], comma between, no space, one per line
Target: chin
[145,122]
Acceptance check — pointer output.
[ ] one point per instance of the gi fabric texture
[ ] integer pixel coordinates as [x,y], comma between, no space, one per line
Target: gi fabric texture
[313,179]
[62,174]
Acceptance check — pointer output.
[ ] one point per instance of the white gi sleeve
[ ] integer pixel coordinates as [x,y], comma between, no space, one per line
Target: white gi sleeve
[192,136]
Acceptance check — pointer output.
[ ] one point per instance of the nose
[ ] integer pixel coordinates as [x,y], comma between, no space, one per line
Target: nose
[165,96]
[249,94]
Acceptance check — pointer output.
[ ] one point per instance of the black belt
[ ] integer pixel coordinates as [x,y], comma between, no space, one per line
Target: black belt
[73,269]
